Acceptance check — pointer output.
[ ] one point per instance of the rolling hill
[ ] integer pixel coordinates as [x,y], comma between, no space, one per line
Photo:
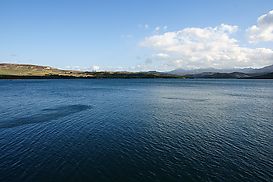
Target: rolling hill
[13,71]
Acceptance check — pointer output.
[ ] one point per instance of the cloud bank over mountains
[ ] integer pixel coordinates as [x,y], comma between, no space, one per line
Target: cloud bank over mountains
[213,46]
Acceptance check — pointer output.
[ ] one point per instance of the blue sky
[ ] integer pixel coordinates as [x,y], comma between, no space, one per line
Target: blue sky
[136,35]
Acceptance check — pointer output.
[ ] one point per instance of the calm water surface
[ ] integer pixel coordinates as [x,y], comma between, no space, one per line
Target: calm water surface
[136,130]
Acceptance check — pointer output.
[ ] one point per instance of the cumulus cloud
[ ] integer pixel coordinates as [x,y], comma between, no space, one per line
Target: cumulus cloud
[206,47]
[263,30]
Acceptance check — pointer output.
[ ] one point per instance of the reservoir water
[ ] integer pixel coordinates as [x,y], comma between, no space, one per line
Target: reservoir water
[136,130]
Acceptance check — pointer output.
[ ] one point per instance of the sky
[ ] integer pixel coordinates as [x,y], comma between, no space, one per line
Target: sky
[138,35]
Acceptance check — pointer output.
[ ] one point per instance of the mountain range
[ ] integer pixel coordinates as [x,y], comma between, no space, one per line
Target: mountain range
[181,71]
[265,72]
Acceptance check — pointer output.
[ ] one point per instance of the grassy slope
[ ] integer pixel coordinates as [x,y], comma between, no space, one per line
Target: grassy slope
[33,70]
[28,71]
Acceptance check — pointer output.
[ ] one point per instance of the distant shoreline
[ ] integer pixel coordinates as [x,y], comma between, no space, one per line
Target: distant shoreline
[26,71]
[15,77]
[55,77]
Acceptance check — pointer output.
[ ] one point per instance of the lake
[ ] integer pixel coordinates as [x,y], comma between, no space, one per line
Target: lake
[136,130]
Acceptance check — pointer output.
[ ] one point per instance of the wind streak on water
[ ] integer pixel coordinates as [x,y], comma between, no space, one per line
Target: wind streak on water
[46,115]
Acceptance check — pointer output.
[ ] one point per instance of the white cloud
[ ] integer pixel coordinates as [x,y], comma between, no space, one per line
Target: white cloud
[161,55]
[263,31]
[95,68]
[206,47]
[227,28]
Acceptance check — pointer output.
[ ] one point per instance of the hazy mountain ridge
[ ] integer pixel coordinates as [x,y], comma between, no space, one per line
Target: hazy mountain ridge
[219,75]
[265,72]
[180,71]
